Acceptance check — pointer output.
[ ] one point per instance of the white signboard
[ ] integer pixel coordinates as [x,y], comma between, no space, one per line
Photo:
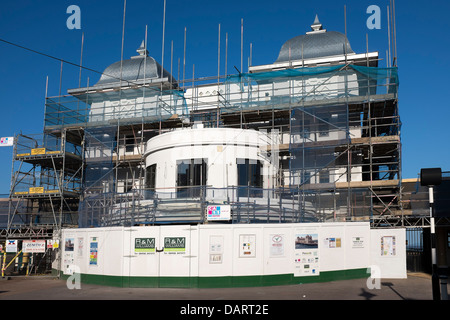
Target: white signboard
[11,246]
[276,245]
[247,244]
[388,246]
[220,212]
[52,244]
[33,246]
[306,252]
[357,242]
[215,249]
[6,141]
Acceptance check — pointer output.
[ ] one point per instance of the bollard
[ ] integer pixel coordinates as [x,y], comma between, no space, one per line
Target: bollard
[444,293]
[432,177]
[443,276]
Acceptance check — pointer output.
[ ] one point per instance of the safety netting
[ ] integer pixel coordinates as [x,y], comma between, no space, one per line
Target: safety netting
[99,176]
[318,144]
[283,89]
[130,106]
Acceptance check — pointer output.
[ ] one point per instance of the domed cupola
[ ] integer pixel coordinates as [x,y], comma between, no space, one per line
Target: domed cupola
[134,71]
[317,43]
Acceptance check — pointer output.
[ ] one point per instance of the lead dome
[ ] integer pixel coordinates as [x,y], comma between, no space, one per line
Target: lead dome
[317,43]
[135,69]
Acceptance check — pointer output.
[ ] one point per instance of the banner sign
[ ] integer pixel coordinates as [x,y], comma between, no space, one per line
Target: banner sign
[175,244]
[33,246]
[93,251]
[35,190]
[6,141]
[37,151]
[53,244]
[222,212]
[11,246]
[144,245]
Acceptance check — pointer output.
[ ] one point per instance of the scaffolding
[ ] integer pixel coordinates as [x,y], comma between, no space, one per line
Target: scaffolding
[334,132]
[45,184]
[338,143]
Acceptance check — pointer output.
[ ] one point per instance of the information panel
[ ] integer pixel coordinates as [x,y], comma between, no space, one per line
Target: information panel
[306,256]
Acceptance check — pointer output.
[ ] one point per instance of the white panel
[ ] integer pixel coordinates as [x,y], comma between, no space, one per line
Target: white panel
[141,262]
[81,250]
[332,247]
[235,250]
[95,265]
[111,251]
[175,260]
[388,252]
[278,250]
[357,245]
[68,259]
[307,259]
[215,251]
[247,250]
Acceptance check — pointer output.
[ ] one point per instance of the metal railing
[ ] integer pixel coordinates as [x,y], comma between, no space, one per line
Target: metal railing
[237,93]
[248,205]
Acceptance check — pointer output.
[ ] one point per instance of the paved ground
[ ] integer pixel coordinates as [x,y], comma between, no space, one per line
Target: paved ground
[415,287]
[276,302]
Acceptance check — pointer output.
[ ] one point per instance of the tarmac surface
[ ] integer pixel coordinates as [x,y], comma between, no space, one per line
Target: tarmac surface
[415,287]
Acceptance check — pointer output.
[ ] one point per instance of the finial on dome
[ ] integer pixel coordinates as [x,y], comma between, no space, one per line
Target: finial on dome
[142,49]
[316,26]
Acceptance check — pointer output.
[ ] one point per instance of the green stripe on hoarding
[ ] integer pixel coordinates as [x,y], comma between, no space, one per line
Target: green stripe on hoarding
[218,282]
[144,250]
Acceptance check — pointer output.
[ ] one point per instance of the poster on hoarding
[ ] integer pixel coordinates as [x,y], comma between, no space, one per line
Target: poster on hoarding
[69,244]
[276,245]
[11,246]
[53,244]
[357,242]
[33,246]
[175,245]
[144,245]
[306,255]
[247,244]
[68,260]
[332,242]
[215,249]
[93,251]
[388,246]
[80,247]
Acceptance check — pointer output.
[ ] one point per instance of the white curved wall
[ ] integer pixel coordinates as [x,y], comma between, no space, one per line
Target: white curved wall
[344,250]
[221,147]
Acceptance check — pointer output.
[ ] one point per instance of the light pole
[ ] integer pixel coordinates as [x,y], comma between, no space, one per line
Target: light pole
[432,177]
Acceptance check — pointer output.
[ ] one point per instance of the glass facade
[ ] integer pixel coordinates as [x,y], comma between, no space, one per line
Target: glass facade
[249,175]
[191,176]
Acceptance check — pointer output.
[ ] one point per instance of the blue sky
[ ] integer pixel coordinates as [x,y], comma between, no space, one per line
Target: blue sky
[422,45]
